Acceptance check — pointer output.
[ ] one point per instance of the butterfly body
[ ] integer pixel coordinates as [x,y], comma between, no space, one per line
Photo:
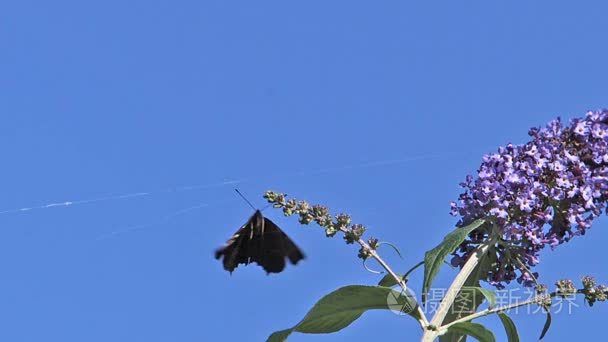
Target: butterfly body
[260,241]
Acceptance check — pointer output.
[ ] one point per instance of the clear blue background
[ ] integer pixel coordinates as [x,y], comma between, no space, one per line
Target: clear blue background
[118,97]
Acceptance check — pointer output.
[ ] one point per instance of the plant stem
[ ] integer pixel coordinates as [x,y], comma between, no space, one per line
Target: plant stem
[486,312]
[374,254]
[454,289]
[535,300]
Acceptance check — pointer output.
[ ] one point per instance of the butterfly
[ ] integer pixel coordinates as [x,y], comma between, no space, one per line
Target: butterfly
[260,241]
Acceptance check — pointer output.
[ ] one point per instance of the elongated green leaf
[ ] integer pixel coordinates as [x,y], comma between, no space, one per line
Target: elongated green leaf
[389,281]
[475,330]
[489,295]
[340,308]
[510,328]
[434,258]
[546,327]
[279,336]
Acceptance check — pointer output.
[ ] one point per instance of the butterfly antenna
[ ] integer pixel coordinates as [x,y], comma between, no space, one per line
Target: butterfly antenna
[246,200]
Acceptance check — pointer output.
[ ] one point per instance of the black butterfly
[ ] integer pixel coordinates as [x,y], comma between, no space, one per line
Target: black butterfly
[260,241]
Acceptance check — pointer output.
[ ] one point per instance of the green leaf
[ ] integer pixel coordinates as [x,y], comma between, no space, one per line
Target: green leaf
[389,281]
[489,295]
[546,327]
[475,330]
[279,336]
[340,308]
[434,258]
[510,328]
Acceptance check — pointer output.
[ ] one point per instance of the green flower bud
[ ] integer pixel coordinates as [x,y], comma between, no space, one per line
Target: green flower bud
[565,287]
[330,231]
[305,217]
[364,253]
[270,196]
[342,220]
[279,201]
[544,300]
[541,289]
[290,207]
[303,207]
[588,282]
[601,293]
[354,233]
[373,243]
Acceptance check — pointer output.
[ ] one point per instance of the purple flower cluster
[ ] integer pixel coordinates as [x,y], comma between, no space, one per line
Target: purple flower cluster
[540,193]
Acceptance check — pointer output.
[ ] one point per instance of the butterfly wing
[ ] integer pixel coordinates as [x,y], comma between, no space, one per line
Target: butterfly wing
[260,241]
[237,249]
[283,243]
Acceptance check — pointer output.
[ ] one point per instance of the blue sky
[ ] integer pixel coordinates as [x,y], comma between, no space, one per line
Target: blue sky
[109,98]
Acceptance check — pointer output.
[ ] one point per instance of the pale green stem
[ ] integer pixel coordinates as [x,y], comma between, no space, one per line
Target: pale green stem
[489,311]
[451,294]
[535,300]
[374,254]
